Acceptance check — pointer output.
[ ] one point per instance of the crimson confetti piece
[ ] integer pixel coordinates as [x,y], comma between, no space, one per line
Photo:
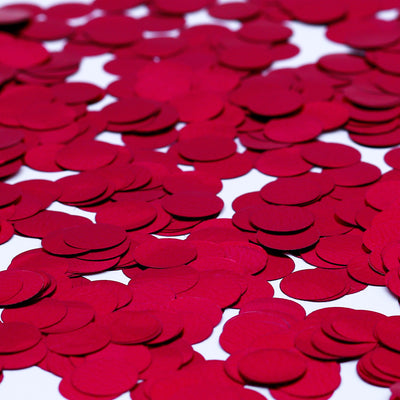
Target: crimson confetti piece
[297,129]
[206,148]
[88,339]
[43,314]
[130,110]
[179,278]
[280,218]
[222,287]
[289,242]
[272,366]
[129,214]
[91,155]
[192,204]
[78,315]
[252,257]
[94,236]
[33,283]
[103,377]
[44,222]
[282,163]
[24,359]
[18,336]
[164,253]
[192,181]
[314,285]
[330,155]
[292,191]
[129,327]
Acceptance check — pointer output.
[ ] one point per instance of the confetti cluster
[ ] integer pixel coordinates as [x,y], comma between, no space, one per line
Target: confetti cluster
[196,93]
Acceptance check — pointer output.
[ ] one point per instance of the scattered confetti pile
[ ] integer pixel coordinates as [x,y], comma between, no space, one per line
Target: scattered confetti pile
[196,106]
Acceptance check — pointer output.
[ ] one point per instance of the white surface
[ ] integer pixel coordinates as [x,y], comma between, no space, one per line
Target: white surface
[35,384]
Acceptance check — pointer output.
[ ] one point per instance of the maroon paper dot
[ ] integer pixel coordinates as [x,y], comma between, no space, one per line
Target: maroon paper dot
[392,158]
[20,53]
[130,110]
[291,191]
[312,12]
[331,114]
[297,129]
[9,194]
[340,249]
[163,81]
[240,11]
[164,253]
[43,314]
[272,366]
[44,222]
[24,359]
[49,29]
[382,194]
[222,287]
[14,16]
[128,327]
[281,218]
[32,284]
[246,56]
[130,214]
[160,47]
[79,342]
[282,163]
[291,241]
[77,92]
[355,175]
[198,106]
[78,315]
[179,278]
[386,331]
[18,336]
[313,285]
[94,236]
[232,167]
[192,204]
[91,155]
[44,116]
[262,31]
[207,148]
[343,63]
[176,7]
[69,10]
[43,158]
[275,103]
[113,30]
[330,155]
[103,377]
[370,98]
[277,267]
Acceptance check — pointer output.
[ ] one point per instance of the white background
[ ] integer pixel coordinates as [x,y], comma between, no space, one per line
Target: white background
[35,384]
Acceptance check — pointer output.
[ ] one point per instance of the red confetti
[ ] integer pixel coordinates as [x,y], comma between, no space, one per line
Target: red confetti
[280,218]
[185,105]
[18,336]
[192,204]
[103,377]
[112,30]
[164,253]
[297,129]
[79,342]
[206,148]
[314,285]
[128,214]
[272,366]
